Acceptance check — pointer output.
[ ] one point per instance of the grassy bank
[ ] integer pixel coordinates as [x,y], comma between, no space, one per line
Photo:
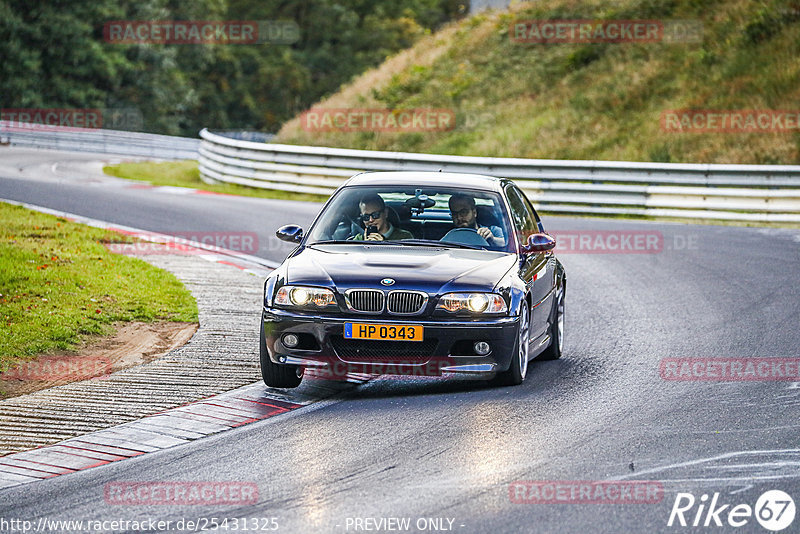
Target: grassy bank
[588,101]
[61,285]
[186,174]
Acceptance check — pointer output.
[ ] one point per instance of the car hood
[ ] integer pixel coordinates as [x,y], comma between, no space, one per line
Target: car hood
[433,270]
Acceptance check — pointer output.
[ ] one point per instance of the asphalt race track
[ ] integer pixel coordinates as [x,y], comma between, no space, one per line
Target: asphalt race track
[445,454]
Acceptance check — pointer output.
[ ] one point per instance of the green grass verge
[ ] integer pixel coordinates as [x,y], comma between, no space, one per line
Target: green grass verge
[60,284]
[186,174]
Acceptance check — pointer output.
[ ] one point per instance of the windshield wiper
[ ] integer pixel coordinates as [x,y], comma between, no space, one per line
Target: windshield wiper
[332,242]
[404,242]
[432,243]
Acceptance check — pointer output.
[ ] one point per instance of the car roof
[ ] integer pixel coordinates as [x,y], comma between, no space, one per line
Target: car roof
[426,178]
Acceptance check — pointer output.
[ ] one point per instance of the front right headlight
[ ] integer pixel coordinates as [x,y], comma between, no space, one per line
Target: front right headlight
[305,297]
[477,303]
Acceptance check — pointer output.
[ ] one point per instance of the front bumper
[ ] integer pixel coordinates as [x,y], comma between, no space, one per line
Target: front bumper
[447,345]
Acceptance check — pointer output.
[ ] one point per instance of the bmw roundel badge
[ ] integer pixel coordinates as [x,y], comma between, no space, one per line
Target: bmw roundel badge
[387,281]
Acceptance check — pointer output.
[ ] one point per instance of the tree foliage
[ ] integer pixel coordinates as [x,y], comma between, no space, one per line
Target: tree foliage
[54,56]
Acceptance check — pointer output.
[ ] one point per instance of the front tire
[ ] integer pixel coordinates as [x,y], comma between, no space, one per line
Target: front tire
[275,375]
[519,363]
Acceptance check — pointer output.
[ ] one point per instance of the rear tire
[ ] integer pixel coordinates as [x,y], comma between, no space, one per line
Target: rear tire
[519,362]
[554,351]
[276,375]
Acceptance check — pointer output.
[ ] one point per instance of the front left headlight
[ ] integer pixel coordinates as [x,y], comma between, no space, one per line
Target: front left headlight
[472,302]
[305,297]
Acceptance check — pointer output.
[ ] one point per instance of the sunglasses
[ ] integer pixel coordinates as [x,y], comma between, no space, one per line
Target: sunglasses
[461,213]
[374,215]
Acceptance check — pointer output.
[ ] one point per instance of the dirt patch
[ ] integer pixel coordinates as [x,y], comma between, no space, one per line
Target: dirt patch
[133,344]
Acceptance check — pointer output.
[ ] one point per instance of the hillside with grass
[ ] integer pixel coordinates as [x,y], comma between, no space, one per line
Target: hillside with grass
[599,101]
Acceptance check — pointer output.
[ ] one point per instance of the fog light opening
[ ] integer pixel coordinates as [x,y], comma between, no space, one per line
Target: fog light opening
[291,340]
[482,348]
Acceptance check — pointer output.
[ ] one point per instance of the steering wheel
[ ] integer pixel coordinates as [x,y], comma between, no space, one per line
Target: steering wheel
[465,236]
[345,227]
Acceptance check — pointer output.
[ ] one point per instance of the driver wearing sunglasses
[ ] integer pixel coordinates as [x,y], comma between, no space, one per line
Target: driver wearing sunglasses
[375,217]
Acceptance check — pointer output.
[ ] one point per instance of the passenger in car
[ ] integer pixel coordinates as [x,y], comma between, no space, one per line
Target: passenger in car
[465,215]
[375,217]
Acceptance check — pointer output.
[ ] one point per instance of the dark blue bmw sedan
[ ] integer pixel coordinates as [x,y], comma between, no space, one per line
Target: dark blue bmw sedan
[415,273]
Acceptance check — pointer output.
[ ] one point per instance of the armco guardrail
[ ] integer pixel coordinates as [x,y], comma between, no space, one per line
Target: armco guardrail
[100,141]
[762,193]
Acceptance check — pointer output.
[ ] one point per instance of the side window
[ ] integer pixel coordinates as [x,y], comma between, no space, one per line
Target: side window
[539,225]
[524,218]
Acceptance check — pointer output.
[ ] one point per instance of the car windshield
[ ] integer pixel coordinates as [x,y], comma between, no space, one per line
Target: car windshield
[415,216]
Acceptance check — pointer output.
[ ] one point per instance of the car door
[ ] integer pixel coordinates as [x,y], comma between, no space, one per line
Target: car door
[549,276]
[535,269]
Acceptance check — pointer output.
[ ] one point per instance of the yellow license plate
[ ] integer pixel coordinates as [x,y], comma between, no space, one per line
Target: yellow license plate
[387,332]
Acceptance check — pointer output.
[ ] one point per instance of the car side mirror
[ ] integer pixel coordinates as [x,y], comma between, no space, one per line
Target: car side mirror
[291,233]
[539,243]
